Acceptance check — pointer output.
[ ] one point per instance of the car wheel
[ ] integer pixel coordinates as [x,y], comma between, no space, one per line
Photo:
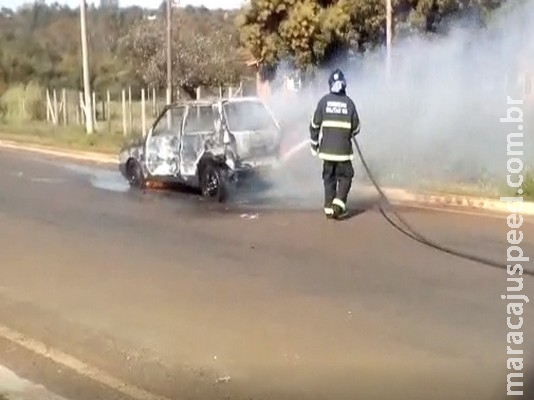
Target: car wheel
[214,183]
[135,175]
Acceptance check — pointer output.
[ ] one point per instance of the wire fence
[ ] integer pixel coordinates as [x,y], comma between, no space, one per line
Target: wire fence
[127,111]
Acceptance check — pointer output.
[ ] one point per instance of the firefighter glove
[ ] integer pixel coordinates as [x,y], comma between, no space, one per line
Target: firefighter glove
[314,149]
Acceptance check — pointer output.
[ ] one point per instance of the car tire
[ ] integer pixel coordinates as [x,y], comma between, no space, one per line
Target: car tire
[214,183]
[135,176]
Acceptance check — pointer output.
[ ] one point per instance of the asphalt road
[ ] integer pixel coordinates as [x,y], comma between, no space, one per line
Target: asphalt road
[172,294]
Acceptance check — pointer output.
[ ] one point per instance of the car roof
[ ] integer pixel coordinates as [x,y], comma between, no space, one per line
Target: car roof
[201,102]
[211,101]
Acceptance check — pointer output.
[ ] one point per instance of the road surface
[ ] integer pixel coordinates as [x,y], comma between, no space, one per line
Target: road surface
[257,300]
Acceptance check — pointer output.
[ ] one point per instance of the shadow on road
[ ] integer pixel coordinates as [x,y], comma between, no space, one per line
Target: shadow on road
[258,196]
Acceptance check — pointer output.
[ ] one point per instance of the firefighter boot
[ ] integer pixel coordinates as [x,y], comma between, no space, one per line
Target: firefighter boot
[329,212]
[340,209]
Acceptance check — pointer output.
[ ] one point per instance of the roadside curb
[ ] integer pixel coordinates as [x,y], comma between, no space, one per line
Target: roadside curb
[458,201]
[72,154]
[400,196]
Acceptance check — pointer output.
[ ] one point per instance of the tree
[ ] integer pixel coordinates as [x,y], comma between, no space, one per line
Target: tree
[204,48]
[41,43]
[310,33]
[434,16]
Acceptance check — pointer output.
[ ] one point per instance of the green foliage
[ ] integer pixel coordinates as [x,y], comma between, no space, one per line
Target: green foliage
[41,43]
[204,49]
[69,137]
[311,32]
[23,103]
[300,30]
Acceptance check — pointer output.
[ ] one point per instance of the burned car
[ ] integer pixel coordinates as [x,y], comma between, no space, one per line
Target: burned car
[209,145]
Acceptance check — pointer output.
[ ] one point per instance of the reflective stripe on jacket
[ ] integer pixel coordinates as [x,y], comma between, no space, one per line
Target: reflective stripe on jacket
[335,122]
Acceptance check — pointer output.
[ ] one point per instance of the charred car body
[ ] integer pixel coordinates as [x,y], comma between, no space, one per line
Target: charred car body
[205,144]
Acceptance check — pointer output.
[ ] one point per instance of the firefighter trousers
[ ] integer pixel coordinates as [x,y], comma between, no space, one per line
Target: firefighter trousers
[337,179]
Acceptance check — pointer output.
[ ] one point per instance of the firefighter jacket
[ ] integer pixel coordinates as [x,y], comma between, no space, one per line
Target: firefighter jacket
[335,122]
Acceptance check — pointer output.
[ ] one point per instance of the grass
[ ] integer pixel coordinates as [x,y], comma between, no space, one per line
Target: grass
[485,189]
[3,397]
[71,137]
[23,113]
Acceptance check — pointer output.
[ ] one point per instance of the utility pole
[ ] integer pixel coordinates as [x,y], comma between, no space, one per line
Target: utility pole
[169,51]
[88,101]
[389,29]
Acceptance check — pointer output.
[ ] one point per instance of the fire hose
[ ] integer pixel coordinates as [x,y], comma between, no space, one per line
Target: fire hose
[387,210]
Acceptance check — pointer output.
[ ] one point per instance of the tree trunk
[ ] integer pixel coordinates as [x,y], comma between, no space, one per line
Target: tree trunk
[190,91]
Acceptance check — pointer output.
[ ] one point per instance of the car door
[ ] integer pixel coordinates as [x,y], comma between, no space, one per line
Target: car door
[162,155]
[198,127]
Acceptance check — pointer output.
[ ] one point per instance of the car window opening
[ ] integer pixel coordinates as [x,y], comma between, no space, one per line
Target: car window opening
[170,123]
[248,116]
[199,120]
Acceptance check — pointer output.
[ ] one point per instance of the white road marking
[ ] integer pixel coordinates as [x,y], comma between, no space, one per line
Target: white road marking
[76,365]
[15,387]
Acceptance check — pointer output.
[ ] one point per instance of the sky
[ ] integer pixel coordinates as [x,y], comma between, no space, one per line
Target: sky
[144,3]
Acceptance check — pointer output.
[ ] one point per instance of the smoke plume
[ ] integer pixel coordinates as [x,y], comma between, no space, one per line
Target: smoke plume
[436,118]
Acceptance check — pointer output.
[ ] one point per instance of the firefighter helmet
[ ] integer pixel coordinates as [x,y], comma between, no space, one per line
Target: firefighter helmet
[337,81]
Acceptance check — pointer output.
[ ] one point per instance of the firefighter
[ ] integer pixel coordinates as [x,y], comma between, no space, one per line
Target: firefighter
[335,122]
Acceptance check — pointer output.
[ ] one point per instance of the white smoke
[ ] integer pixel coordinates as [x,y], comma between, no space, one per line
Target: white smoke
[437,117]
